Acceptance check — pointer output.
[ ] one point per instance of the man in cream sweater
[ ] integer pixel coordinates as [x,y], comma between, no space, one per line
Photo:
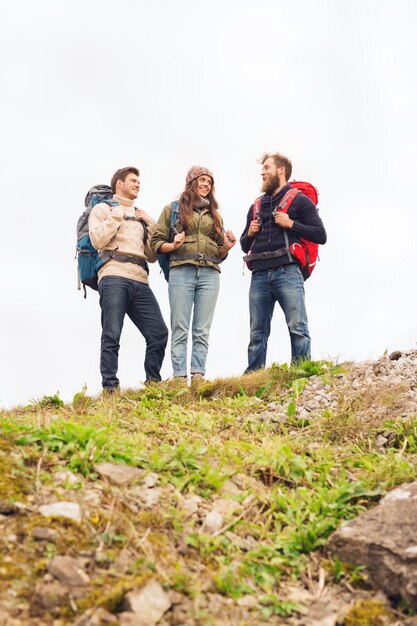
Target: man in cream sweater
[122,234]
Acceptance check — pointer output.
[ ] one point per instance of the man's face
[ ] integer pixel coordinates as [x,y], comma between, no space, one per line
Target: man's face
[270,176]
[204,185]
[129,188]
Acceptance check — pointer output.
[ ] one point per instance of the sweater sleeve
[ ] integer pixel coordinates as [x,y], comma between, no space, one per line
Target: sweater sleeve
[309,225]
[149,251]
[245,241]
[162,229]
[103,224]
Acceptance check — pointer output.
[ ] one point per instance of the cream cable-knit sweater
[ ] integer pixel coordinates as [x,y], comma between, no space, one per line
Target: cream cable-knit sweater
[109,231]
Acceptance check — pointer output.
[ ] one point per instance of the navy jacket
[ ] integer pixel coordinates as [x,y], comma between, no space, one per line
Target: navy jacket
[307,224]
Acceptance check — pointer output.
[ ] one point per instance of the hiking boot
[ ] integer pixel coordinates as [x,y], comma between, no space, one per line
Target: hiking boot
[110,391]
[197,377]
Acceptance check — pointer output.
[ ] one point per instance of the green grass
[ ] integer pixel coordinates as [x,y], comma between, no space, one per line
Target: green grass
[292,495]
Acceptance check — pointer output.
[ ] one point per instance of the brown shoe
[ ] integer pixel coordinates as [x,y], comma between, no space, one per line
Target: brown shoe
[196,377]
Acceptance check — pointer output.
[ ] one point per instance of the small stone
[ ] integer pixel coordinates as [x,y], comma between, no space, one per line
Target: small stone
[70,510]
[150,480]
[230,489]
[212,523]
[101,617]
[118,473]
[47,597]
[226,507]
[40,533]
[66,477]
[8,508]
[189,506]
[148,604]
[247,602]
[381,441]
[394,356]
[68,571]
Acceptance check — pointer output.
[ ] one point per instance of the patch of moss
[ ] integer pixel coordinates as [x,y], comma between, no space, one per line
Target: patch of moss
[368,613]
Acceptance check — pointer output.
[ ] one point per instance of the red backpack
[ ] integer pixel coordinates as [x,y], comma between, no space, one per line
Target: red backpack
[305,252]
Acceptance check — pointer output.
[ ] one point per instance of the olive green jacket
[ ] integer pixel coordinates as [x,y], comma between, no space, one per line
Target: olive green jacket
[200,238]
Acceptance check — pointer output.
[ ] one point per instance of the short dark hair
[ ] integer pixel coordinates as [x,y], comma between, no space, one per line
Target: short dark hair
[121,175]
[280,161]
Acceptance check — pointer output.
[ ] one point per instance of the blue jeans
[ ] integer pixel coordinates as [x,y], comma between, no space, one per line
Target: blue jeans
[284,285]
[191,286]
[123,296]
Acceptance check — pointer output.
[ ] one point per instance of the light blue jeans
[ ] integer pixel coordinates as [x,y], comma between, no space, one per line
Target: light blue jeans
[284,285]
[191,287]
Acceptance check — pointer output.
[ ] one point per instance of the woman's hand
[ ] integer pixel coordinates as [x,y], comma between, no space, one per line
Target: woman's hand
[178,240]
[229,242]
[229,239]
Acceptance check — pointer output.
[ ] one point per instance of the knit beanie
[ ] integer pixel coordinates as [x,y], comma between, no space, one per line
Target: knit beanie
[195,171]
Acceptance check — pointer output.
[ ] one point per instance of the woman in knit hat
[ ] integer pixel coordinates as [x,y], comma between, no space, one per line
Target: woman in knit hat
[196,248]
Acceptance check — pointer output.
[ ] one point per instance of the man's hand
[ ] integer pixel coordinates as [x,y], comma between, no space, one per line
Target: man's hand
[282,219]
[178,240]
[142,215]
[254,228]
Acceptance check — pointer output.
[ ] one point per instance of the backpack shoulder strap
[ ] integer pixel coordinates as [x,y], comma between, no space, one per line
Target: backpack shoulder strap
[175,211]
[256,210]
[287,200]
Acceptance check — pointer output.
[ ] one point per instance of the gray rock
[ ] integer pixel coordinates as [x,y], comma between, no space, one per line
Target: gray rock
[151,480]
[212,523]
[189,506]
[118,473]
[70,510]
[66,477]
[47,597]
[384,540]
[226,507]
[148,604]
[40,533]
[68,571]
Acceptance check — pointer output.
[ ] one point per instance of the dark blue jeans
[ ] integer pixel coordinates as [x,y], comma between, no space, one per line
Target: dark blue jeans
[120,297]
[284,285]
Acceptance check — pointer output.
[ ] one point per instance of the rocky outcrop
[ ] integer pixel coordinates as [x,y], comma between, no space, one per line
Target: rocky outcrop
[384,539]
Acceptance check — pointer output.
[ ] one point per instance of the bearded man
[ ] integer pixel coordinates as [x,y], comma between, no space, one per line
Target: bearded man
[276,275]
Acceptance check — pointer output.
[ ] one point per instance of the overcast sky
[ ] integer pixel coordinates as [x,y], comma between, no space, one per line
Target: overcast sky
[90,86]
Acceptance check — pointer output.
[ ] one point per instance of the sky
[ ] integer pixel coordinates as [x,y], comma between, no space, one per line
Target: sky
[94,85]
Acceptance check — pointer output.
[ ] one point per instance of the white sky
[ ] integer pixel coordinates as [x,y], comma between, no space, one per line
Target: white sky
[89,86]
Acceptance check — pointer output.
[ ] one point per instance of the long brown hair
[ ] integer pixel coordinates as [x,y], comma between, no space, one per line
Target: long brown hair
[190,198]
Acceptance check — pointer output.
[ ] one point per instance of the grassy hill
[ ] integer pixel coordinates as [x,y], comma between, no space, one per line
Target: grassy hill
[239,483]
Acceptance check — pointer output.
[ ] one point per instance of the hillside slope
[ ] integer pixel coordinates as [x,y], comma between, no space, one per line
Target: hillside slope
[205,505]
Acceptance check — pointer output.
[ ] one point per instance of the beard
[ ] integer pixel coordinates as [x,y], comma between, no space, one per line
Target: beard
[270,184]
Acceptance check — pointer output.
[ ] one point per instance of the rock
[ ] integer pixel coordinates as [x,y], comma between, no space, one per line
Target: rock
[189,506]
[66,477]
[148,604]
[8,508]
[381,441]
[226,507]
[68,571]
[150,480]
[394,356]
[40,533]
[118,473]
[101,617]
[230,489]
[212,523]
[384,540]
[47,597]
[70,510]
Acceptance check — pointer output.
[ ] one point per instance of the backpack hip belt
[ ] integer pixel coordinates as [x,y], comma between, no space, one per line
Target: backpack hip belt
[257,256]
[197,256]
[106,255]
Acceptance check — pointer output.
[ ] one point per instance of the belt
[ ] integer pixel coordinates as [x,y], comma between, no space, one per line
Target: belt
[106,255]
[258,256]
[198,256]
